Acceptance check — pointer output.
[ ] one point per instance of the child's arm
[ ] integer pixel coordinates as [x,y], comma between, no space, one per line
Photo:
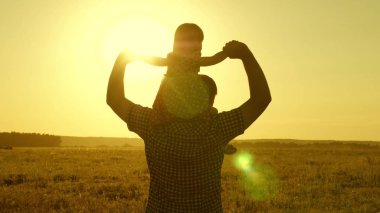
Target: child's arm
[204,61]
[212,60]
[153,60]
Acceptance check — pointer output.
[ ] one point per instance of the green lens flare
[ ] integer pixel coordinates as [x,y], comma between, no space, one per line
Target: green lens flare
[260,184]
[258,181]
[186,95]
[243,161]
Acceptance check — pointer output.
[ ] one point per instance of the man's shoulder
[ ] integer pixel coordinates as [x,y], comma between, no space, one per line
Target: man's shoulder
[139,119]
[236,112]
[137,108]
[229,124]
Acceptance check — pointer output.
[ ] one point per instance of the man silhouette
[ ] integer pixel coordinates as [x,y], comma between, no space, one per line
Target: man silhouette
[185,155]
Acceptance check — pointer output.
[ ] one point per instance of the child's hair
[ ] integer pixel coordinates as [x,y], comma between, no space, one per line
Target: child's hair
[186,29]
[187,32]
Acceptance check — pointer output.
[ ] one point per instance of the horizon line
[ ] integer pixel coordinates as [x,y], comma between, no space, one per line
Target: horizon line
[294,139]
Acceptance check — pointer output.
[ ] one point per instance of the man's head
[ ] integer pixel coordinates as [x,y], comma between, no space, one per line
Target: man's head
[188,40]
[212,89]
[186,96]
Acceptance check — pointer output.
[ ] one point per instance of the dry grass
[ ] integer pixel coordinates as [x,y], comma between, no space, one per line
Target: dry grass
[304,178]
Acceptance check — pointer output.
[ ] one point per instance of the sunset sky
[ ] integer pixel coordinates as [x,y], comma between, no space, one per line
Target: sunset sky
[321,60]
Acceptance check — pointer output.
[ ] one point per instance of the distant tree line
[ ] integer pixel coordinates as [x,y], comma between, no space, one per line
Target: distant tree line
[28,139]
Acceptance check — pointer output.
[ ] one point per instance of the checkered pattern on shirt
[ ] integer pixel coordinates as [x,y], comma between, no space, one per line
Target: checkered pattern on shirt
[185,159]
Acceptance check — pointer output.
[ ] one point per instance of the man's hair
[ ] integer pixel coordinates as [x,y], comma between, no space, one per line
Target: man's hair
[184,96]
[212,89]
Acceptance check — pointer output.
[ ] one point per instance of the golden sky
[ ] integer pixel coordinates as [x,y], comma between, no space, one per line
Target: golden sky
[321,60]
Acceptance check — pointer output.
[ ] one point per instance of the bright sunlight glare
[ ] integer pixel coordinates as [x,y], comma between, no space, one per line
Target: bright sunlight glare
[139,35]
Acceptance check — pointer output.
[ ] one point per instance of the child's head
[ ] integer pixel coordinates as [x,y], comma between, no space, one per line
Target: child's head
[188,40]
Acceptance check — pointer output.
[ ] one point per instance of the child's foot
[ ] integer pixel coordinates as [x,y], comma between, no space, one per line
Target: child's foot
[229,149]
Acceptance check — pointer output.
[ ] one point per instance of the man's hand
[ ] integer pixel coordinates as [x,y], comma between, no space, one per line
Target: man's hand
[236,49]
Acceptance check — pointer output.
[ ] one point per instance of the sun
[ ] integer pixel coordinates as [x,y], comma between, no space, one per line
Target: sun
[139,35]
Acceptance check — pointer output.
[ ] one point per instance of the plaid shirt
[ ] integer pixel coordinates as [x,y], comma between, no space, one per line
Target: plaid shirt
[185,158]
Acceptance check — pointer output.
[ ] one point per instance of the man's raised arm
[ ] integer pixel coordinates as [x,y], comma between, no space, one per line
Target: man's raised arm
[115,93]
[260,96]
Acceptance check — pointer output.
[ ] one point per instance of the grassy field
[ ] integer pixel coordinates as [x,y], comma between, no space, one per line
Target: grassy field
[282,177]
